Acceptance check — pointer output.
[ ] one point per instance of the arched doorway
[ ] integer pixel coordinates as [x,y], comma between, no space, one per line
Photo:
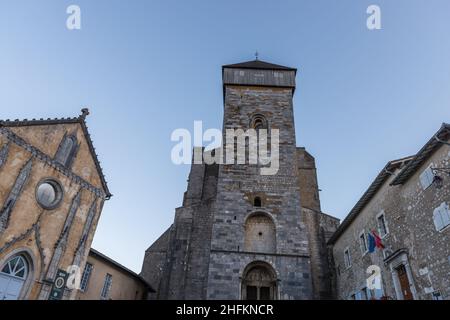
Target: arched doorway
[13,275]
[259,282]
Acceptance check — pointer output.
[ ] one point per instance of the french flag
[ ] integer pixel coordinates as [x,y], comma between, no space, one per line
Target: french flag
[378,242]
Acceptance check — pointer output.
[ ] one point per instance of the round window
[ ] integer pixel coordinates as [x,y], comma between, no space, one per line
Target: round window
[49,194]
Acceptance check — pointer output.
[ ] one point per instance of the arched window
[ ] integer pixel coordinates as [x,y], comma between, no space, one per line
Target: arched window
[259,282]
[257,202]
[67,150]
[13,275]
[258,122]
[260,234]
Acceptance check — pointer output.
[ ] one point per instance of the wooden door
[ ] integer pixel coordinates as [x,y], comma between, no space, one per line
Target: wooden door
[404,283]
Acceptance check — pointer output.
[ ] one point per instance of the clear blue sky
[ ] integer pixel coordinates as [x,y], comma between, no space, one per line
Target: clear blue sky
[145,68]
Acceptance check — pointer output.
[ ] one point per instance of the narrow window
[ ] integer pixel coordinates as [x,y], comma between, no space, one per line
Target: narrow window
[66,150]
[257,202]
[347,258]
[382,226]
[106,286]
[363,242]
[85,277]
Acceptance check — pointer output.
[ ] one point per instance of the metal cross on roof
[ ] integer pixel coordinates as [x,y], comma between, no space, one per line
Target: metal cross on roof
[256,55]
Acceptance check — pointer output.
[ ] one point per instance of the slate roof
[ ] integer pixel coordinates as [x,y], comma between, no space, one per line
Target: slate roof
[81,119]
[368,195]
[258,64]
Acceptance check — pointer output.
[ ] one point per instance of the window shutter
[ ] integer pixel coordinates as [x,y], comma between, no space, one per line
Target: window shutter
[430,176]
[437,218]
[426,178]
[445,215]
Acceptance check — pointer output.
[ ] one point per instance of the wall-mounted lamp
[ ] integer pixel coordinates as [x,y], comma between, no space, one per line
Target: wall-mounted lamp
[438,181]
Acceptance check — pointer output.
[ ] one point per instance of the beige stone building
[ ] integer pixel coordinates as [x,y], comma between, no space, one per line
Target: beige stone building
[106,279]
[407,206]
[52,191]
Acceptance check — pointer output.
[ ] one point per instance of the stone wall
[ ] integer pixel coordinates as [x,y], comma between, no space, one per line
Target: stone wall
[281,201]
[320,226]
[307,178]
[154,261]
[181,261]
[429,249]
[226,271]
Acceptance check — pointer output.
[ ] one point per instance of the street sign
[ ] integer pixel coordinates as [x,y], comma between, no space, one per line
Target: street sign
[59,285]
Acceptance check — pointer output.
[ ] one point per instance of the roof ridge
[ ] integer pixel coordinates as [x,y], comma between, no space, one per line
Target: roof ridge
[420,157]
[258,64]
[120,266]
[402,159]
[368,195]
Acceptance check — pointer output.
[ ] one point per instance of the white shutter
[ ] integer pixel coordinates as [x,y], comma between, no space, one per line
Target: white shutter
[10,287]
[445,214]
[426,177]
[4,282]
[437,218]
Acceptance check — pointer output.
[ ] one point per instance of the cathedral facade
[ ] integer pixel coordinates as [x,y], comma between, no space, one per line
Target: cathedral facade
[240,234]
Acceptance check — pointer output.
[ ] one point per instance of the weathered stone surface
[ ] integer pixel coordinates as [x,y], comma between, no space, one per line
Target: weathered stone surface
[32,230]
[219,234]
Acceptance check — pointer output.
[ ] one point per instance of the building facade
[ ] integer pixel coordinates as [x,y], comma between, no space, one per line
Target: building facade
[106,279]
[52,191]
[407,206]
[240,234]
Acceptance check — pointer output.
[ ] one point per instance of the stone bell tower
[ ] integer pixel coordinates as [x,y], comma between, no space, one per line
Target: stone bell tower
[241,234]
[259,246]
